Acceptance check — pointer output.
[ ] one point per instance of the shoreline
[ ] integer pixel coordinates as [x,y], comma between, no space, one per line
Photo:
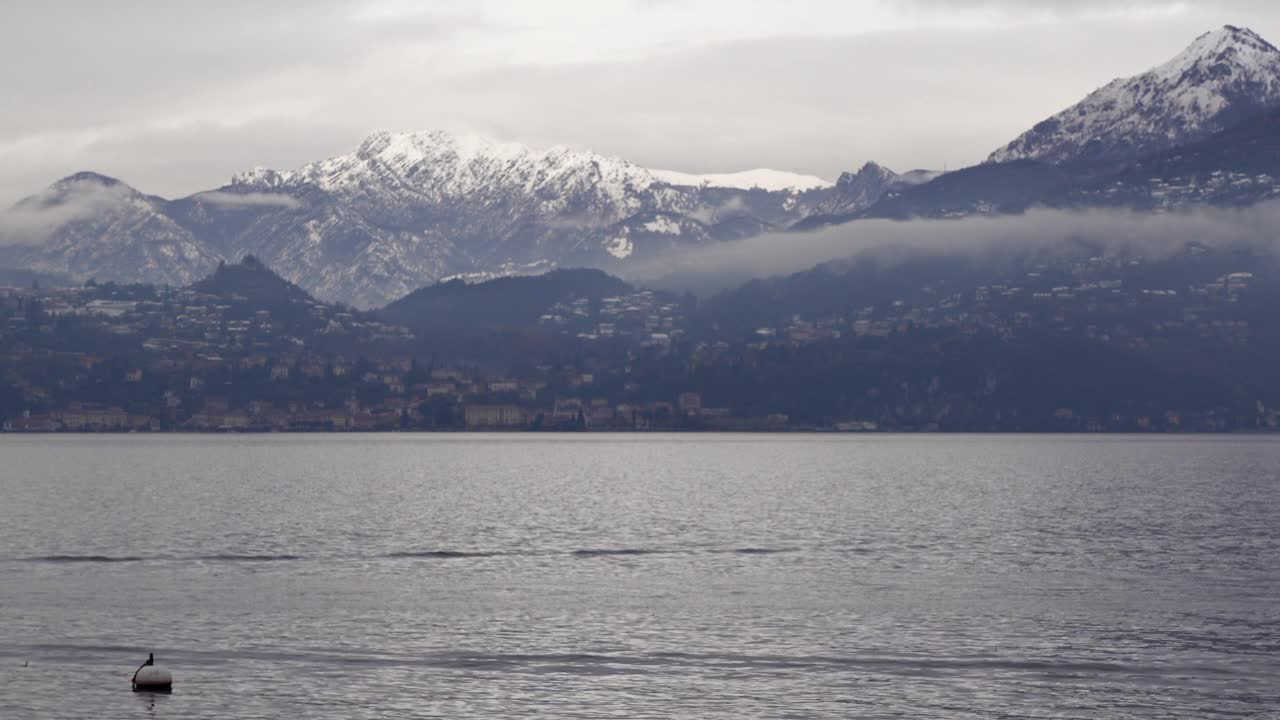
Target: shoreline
[647,431]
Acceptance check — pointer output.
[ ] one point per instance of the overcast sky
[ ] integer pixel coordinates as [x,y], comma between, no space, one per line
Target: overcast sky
[174,97]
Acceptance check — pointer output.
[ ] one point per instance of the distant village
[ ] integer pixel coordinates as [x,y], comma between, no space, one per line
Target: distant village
[102,357]
[192,343]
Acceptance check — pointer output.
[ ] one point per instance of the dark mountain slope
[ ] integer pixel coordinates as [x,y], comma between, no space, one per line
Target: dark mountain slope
[508,301]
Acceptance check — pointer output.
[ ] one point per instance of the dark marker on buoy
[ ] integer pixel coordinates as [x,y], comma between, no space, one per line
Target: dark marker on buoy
[150,678]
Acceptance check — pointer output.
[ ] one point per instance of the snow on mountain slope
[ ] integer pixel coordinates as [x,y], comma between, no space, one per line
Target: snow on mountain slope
[439,166]
[1221,78]
[757,179]
[406,209]
[401,211]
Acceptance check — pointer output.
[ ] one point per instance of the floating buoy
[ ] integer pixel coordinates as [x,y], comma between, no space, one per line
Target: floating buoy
[152,678]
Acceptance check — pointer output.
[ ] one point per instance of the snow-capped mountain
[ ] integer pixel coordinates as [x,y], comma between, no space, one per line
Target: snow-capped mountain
[405,210]
[441,167]
[1223,77]
[1236,167]
[1199,129]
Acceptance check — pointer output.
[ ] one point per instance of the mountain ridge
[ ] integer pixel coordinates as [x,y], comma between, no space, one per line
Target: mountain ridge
[457,305]
[403,210]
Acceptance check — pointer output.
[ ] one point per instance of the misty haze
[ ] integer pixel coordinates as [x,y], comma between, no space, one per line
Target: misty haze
[695,358]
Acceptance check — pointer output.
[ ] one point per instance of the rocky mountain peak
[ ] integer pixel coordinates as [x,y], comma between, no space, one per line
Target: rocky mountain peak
[870,172]
[259,177]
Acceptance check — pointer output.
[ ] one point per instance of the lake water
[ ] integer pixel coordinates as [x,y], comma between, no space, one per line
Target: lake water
[641,576]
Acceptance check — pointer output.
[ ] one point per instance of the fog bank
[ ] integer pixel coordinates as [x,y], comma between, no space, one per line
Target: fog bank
[1140,234]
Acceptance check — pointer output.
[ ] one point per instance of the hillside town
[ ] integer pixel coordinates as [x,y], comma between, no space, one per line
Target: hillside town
[216,356]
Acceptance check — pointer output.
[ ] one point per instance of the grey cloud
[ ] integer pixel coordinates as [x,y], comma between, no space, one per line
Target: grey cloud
[34,219]
[575,222]
[173,162]
[249,199]
[1044,231]
[1040,4]
[708,214]
[1068,7]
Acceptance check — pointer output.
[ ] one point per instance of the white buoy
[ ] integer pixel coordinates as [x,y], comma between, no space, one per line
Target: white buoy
[152,678]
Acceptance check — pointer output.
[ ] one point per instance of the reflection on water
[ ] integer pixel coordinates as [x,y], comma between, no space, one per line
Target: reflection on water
[641,576]
[147,700]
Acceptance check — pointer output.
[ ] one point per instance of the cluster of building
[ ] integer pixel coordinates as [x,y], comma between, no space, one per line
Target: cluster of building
[121,359]
[642,316]
[183,320]
[1080,303]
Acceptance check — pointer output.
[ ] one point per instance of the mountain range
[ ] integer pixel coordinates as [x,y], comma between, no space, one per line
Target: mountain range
[401,211]
[405,210]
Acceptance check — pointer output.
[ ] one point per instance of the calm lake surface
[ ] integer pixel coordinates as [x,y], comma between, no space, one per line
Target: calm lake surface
[641,576]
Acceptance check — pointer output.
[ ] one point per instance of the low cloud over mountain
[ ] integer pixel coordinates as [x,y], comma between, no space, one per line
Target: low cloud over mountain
[1110,231]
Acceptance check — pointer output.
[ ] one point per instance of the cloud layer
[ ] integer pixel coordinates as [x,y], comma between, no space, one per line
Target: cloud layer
[1150,235]
[36,218]
[250,199]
